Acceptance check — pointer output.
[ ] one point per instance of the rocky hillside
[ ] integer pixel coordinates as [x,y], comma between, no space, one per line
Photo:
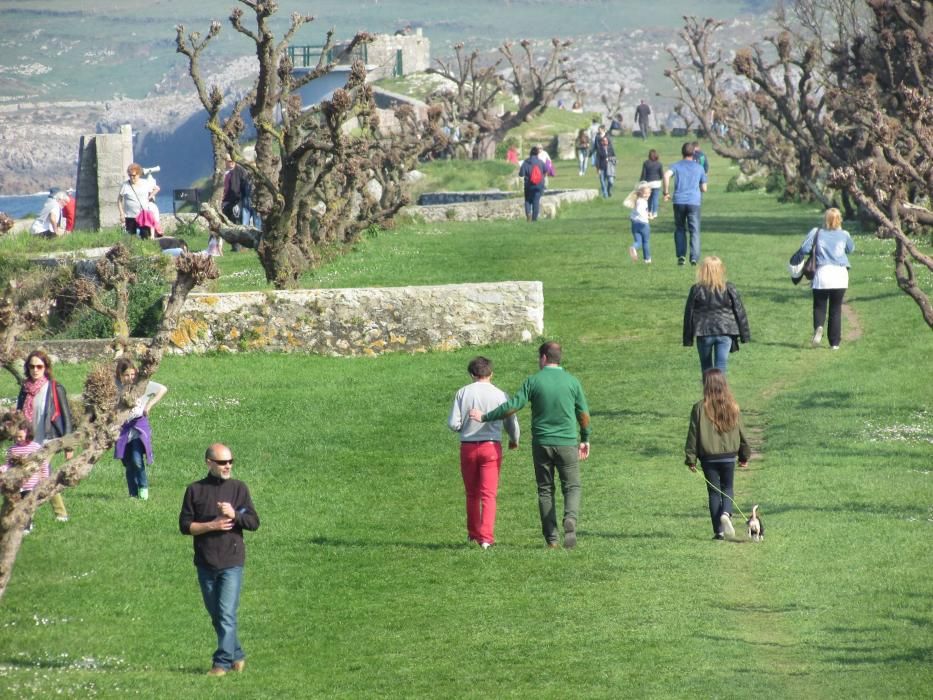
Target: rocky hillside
[39,140]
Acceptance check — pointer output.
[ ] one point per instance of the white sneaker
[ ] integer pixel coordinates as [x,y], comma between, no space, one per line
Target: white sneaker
[727,528]
[835,347]
[143,494]
[818,335]
[485,545]
[62,518]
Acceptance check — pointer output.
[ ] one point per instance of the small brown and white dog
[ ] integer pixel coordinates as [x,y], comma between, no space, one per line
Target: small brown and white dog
[756,528]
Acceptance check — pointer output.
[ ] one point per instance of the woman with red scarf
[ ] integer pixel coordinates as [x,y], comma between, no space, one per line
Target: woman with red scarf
[45,404]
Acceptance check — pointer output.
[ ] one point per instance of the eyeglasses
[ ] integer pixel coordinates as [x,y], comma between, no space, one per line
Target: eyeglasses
[32,366]
[221,462]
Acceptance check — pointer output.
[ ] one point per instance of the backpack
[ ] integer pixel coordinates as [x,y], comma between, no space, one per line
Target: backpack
[534,176]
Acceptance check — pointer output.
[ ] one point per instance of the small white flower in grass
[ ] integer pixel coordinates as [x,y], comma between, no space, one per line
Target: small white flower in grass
[919,430]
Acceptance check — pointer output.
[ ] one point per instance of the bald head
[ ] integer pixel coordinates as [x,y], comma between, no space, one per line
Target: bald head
[219,460]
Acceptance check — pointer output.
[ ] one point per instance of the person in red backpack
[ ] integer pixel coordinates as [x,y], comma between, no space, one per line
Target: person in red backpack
[533,171]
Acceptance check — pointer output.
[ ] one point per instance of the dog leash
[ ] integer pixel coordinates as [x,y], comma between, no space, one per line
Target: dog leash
[712,485]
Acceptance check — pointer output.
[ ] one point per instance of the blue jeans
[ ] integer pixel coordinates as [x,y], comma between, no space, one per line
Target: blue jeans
[718,345]
[721,476]
[641,234]
[533,202]
[605,183]
[134,461]
[220,589]
[583,160]
[687,218]
[653,200]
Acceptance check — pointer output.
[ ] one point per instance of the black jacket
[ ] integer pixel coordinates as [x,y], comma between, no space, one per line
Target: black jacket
[222,549]
[714,313]
[652,170]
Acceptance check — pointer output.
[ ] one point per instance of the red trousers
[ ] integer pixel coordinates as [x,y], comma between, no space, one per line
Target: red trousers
[480,463]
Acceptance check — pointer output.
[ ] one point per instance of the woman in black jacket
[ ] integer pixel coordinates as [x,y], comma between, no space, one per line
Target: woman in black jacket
[652,172]
[714,315]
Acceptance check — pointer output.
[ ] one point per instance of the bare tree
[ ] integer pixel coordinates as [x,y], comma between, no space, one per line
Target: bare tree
[737,122]
[490,99]
[855,116]
[322,174]
[25,305]
[613,105]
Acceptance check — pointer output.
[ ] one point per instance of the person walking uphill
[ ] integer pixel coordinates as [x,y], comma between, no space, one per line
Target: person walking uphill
[215,511]
[481,449]
[558,411]
[714,313]
[533,170]
[689,186]
[642,112]
[833,244]
[716,436]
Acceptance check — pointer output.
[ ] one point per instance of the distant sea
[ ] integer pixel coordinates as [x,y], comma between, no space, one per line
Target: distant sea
[25,206]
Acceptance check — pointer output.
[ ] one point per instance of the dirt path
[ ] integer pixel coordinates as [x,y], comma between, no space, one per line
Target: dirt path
[853,327]
[768,627]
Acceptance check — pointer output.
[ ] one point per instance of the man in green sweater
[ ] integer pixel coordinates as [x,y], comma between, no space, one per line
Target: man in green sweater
[560,437]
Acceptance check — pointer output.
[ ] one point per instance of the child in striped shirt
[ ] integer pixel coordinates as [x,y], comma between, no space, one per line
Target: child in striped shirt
[23,446]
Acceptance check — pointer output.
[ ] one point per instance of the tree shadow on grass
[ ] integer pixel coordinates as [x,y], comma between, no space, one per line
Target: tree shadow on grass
[757,225]
[428,546]
[760,608]
[855,655]
[847,508]
[751,642]
[792,346]
[432,546]
[626,535]
[826,399]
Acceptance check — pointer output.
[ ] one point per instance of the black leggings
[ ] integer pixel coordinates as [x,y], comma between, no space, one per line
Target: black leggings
[832,297]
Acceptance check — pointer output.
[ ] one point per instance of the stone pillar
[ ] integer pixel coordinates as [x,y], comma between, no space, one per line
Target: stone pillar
[102,163]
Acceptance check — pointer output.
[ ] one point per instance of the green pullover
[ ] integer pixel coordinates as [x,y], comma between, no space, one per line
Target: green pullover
[558,406]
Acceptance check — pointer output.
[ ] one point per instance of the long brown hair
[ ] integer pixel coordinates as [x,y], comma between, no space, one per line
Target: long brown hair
[719,404]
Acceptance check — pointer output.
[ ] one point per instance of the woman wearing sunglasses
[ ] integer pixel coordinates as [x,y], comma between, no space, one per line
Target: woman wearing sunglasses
[44,403]
[134,446]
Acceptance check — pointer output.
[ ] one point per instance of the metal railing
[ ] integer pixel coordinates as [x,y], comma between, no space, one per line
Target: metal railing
[308,56]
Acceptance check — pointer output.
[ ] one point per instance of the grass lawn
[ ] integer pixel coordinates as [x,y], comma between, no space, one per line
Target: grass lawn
[359,584]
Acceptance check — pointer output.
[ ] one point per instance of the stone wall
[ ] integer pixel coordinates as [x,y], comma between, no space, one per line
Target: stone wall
[492,209]
[362,321]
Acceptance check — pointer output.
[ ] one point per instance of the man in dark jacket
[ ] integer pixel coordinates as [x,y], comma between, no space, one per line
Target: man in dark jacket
[642,112]
[215,511]
[533,170]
